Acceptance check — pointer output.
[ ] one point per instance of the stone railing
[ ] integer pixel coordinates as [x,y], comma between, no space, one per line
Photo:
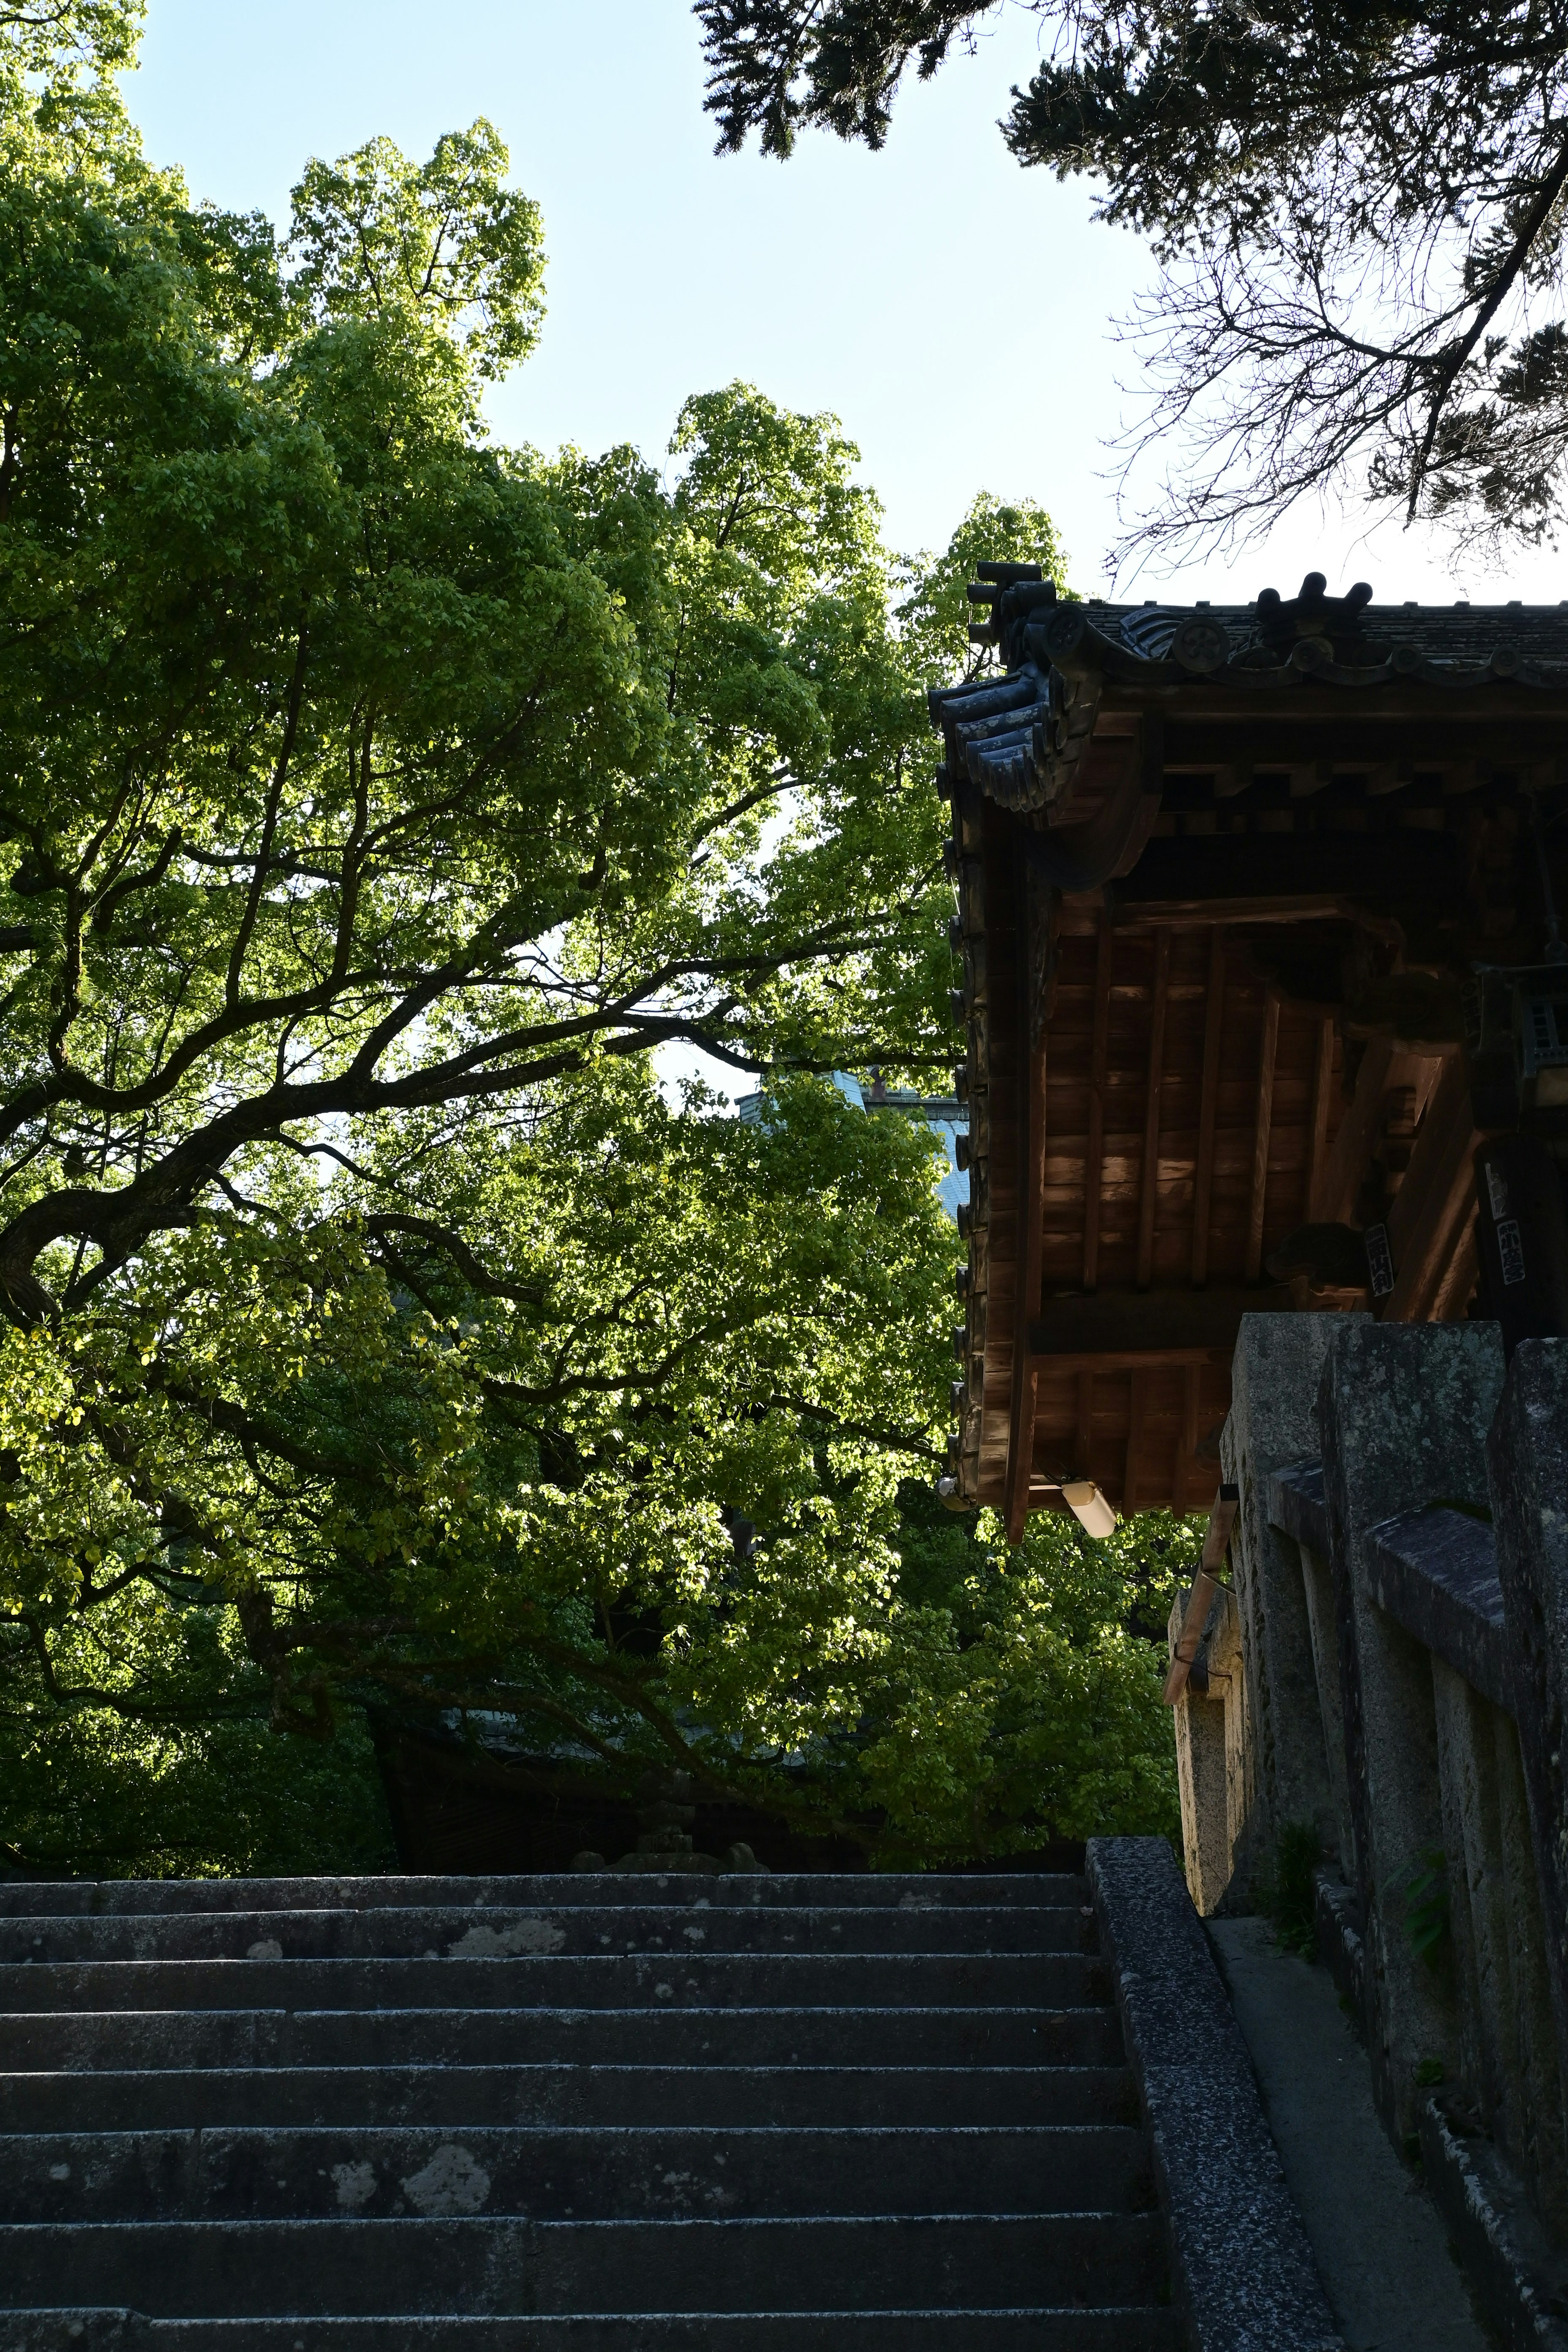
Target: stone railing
[1390,1666]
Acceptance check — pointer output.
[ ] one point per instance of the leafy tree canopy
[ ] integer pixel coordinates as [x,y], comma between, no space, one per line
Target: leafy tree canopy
[373,801]
[1359,211]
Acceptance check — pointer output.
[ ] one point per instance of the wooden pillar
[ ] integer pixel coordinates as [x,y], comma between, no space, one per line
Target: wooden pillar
[1187,1445]
[1202,1173]
[1323,1101]
[1134,1442]
[1149,1201]
[1031,1199]
[1262,1135]
[1094,1142]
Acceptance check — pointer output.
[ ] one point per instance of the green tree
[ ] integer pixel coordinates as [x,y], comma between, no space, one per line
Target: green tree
[376,800]
[380,236]
[1022,1699]
[474,1428]
[625,1435]
[1359,213]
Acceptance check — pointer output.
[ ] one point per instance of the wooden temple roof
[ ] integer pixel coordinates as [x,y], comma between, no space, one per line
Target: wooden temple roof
[1225,875]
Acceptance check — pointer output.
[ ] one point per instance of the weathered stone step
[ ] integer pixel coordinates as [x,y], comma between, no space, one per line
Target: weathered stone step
[1022,2034]
[495,1931]
[297,2269]
[686,1980]
[21,1897]
[478,2097]
[1135,2328]
[608,2172]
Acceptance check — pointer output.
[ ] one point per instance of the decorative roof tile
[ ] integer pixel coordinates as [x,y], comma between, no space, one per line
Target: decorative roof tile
[1019,734]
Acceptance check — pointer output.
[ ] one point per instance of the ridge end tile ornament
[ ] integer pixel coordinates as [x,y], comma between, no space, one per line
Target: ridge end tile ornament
[1259,959]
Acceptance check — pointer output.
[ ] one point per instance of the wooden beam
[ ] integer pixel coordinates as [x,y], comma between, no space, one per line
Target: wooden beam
[1150,1192]
[1298,907]
[1322,1099]
[1262,1134]
[1347,1162]
[1094,1145]
[1085,1420]
[1203,1174]
[1380,872]
[1280,726]
[1064,1362]
[1128,1321]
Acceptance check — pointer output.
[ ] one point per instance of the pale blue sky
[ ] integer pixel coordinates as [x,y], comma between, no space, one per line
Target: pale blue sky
[952,309]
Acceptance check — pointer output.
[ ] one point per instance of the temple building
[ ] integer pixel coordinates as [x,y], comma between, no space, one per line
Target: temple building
[1264,1000]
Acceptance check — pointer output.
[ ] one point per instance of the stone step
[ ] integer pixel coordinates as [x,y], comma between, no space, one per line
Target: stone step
[1135,2328]
[1021,2034]
[608,2172]
[495,1931]
[686,1980]
[355,2268]
[475,2097]
[21,1897]
[618,2113]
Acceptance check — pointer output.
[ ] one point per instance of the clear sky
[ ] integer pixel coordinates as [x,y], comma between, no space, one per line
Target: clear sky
[954,310]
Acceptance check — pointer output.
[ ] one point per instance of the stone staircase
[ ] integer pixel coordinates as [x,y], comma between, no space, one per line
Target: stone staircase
[606,2114]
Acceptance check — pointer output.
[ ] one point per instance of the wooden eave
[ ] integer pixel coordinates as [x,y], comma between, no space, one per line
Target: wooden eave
[1205,926]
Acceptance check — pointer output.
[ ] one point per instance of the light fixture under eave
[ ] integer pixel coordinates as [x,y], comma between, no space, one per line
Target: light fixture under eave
[1089,1508]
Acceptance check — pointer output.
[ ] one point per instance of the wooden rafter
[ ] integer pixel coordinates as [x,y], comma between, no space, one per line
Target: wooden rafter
[1262,1133]
[1125,1321]
[1150,1195]
[1094,1142]
[1203,1175]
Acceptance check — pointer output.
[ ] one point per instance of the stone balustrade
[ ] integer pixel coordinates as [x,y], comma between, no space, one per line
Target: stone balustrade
[1390,1666]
